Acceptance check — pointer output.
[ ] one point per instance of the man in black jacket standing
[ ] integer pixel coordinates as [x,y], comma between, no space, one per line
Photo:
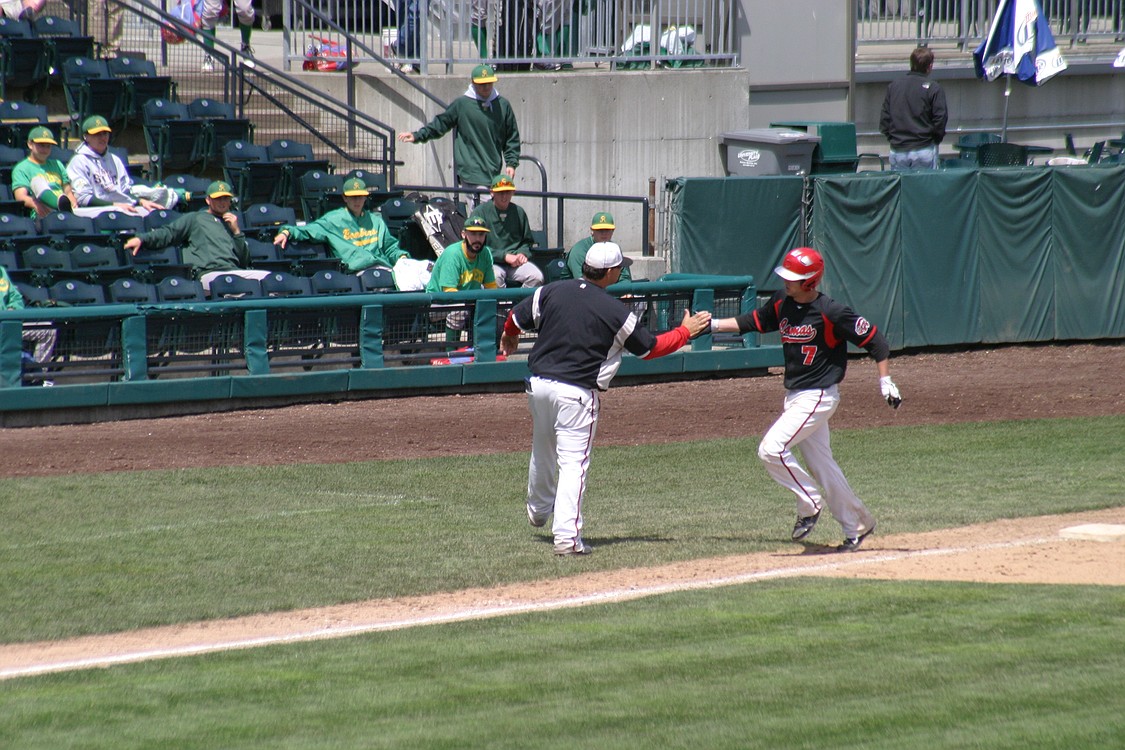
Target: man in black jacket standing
[914,115]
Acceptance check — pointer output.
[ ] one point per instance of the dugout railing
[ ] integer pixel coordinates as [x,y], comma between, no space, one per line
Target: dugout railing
[248,351]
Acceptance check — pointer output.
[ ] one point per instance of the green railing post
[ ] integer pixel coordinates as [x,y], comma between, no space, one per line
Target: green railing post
[254,337]
[371,337]
[134,348]
[484,331]
[11,349]
[702,299]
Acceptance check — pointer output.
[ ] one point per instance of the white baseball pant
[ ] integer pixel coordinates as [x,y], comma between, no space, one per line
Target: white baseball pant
[212,9]
[565,418]
[804,424]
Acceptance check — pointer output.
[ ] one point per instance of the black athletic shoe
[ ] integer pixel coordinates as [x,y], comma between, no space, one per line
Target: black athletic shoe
[804,526]
[851,544]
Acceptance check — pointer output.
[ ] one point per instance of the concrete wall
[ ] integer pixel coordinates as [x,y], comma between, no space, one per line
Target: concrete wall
[595,131]
[798,55]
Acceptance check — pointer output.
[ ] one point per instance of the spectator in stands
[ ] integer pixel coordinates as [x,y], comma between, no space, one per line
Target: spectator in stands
[22,9]
[478,25]
[914,115]
[358,237]
[99,178]
[463,266]
[40,182]
[552,33]
[409,25]
[212,12]
[601,230]
[487,140]
[41,337]
[107,25]
[210,239]
[511,238]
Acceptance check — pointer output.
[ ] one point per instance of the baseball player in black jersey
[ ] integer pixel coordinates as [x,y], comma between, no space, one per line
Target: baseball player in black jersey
[815,332]
[583,332]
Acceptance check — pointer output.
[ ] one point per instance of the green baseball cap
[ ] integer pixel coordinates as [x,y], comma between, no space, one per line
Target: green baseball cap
[476,224]
[42,135]
[602,220]
[219,189]
[355,186]
[502,182]
[96,124]
[484,74]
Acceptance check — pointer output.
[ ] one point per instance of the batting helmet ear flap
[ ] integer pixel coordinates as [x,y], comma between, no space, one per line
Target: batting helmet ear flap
[813,281]
[802,264]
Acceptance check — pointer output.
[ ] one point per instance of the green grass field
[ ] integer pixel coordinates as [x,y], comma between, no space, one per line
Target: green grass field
[794,663]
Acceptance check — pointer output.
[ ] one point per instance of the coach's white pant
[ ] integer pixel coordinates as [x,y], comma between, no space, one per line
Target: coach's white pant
[804,424]
[565,418]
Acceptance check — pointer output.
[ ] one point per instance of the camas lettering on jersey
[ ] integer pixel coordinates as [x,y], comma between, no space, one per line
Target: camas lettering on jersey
[796,334]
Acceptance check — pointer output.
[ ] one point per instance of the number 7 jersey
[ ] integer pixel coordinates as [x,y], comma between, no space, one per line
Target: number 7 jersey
[814,337]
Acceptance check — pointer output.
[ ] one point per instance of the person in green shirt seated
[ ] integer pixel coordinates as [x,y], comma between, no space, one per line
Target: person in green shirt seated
[358,237]
[463,266]
[601,230]
[511,239]
[40,182]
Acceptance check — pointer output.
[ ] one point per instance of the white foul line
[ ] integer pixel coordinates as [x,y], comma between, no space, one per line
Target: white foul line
[617,595]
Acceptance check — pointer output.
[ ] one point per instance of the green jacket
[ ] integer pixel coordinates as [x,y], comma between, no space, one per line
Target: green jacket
[360,243]
[207,244]
[488,138]
[510,232]
[577,255]
[10,297]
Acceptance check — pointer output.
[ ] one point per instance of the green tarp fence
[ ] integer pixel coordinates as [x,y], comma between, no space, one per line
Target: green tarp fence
[936,258]
[743,223]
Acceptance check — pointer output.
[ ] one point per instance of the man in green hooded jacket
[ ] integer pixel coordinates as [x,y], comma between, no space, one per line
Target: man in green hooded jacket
[488,139]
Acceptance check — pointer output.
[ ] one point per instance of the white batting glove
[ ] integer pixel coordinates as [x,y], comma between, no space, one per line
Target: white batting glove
[890,391]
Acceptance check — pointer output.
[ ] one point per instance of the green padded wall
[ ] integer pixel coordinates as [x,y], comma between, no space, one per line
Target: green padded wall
[734,226]
[935,257]
[1088,213]
[856,227]
[1017,284]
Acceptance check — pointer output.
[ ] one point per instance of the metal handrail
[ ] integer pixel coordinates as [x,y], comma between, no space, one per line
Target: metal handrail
[560,199]
[242,74]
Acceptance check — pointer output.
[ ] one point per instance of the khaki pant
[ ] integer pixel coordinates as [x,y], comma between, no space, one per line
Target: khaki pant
[106,25]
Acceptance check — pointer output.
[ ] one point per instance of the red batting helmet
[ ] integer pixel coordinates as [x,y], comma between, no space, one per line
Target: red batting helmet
[802,264]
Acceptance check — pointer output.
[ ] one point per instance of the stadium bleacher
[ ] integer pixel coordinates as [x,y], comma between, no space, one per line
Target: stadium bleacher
[79,260]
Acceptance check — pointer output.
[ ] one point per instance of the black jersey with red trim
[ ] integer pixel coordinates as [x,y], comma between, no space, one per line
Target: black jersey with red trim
[814,337]
[583,331]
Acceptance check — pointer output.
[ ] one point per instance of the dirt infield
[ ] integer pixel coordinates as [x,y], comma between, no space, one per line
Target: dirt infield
[982,385]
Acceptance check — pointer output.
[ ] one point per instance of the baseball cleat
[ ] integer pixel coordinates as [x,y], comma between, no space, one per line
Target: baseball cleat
[804,526]
[851,544]
[562,549]
[535,520]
